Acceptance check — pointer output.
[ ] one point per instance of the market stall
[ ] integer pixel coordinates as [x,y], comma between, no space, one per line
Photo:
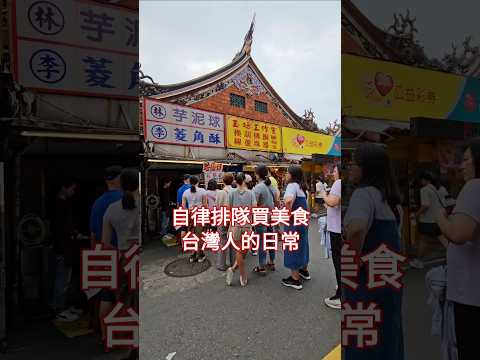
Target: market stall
[418,116]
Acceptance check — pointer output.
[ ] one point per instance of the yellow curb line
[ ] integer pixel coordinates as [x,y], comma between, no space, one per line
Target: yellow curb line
[335,354]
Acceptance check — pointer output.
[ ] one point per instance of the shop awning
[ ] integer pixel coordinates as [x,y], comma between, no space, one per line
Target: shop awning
[356,124]
[81,136]
[296,157]
[251,167]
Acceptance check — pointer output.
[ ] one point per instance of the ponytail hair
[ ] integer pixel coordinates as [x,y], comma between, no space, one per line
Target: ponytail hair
[129,184]
[128,201]
[262,172]
[193,182]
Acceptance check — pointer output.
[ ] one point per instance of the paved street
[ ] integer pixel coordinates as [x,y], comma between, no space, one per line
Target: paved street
[417,315]
[200,317]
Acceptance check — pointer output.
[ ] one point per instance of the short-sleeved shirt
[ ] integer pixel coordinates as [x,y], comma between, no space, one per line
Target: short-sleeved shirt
[222,196]
[99,208]
[211,198]
[293,190]
[430,197]
[180,192]
[367,204]
[334,214]
[125,222]
[194,199]
[264,195]
[319,188]
[463,261]
[242,198]
[274,182]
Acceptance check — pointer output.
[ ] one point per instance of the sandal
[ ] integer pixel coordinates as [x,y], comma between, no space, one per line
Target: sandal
[259,270]
[271,267]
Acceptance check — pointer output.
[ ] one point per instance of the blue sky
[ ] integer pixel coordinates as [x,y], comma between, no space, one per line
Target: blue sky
[296,45]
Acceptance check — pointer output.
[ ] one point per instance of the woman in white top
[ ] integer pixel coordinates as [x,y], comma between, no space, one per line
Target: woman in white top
[212,193]
[222,201]
[123,219]
[370,223]
[240,197]
[430,202]
[296,261]
[462,230]
[192,198]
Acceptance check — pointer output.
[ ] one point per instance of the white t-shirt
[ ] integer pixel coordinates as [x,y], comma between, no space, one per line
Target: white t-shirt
[222,196]
[443,193]
[293,190]
[125,222]
[319,189]
[195,199]
[211,198]
[463,261]
[334,214]
[430,197]
[367,204]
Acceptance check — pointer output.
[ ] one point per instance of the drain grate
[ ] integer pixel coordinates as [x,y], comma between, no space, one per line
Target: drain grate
[183,267]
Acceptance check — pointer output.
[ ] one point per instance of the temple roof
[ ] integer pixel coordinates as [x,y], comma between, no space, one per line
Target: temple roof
[241,66]
[399,44]
[152,89]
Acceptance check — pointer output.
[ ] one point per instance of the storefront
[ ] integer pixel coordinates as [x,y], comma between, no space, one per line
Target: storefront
[34,161]
[422,117]
[318,154]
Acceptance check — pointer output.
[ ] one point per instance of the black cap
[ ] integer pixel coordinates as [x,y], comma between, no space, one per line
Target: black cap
[112,172]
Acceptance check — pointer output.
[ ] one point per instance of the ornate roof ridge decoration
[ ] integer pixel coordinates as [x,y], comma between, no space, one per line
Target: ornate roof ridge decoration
[247,41]
[248,81]
[398,43]
[308,121]
[245,79]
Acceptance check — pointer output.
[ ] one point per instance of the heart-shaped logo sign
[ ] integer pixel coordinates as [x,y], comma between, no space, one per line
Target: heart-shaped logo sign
[300,139]
[383,83]
[470,102]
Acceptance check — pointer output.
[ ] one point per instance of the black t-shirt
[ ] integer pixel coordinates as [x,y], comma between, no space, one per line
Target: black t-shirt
[165,198]
[62,226]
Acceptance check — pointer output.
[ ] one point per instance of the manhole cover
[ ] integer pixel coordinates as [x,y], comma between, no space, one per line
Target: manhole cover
[183,267]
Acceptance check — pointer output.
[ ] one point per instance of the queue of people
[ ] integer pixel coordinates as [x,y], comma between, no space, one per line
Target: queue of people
[373,218]
[115,223]
[241,190]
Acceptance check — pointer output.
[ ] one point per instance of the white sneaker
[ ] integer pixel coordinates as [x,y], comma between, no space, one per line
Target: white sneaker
[243,283]
[333,303]
[66,316]
[416,263]
[229,277]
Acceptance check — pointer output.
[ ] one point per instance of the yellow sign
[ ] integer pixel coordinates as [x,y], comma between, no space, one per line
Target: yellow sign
[386,90]
[253,135]
[305,142]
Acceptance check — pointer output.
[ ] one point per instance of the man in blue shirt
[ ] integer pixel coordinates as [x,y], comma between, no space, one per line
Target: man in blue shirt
[186,185]
[100,206]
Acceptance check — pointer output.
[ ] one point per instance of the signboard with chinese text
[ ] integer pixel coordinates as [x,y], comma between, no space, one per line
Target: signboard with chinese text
[212,170]
[167,123]
[67,76]
[253,135]
[76,47]
[302,142]
[386,90]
